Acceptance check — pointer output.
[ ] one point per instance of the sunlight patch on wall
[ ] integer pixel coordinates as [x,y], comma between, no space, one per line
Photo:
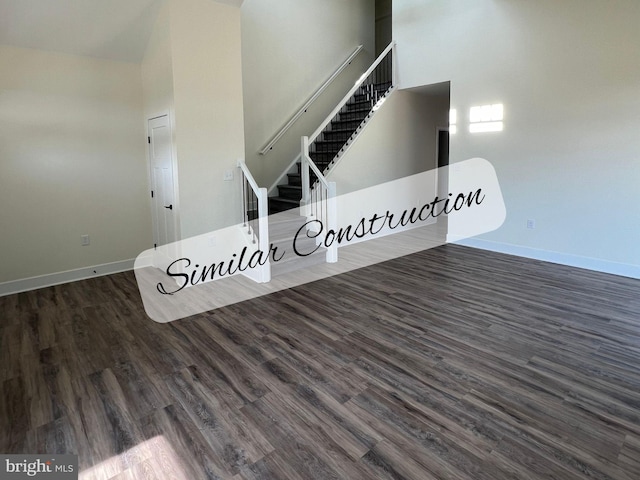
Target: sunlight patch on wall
[486,118]
[453,121]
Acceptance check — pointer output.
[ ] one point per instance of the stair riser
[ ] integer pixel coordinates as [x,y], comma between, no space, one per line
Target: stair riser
[276,206]
[353,115]
[359,107]
[286,191]
[294,179]
[336,136]
[332,147]
[322,158]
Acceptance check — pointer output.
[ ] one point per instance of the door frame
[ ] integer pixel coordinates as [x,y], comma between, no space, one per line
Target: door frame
[174,167]
[442,176]
[438,130]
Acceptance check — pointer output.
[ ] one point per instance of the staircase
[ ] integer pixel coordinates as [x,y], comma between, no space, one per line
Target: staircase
[332,142]
[307,193]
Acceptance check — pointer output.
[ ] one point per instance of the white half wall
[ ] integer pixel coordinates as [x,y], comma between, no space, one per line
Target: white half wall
[72,163]
[568,76]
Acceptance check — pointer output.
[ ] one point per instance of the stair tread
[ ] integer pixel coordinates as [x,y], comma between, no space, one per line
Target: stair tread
[340,130]
[357,110]
[335,122]
[285,200]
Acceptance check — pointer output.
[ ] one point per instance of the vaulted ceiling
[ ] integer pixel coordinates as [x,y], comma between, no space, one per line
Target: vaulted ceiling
[109,29]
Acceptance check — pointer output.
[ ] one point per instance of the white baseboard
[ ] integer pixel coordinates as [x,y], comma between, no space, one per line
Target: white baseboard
[588,263]
[33,283]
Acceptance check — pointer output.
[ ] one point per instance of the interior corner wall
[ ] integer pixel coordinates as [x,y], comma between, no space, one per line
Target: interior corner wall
[72,162]
[157,87]
[289,49]
[567,74]
[384,33]
[208,103]
[399,140]
[157,69]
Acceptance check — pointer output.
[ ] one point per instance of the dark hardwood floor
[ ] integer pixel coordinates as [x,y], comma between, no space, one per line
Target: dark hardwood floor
[452,363]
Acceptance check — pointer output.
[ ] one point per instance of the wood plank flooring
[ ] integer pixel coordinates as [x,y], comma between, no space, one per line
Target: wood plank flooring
[452,363]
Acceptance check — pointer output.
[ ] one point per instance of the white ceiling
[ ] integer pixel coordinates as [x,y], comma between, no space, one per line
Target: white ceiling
[110,29]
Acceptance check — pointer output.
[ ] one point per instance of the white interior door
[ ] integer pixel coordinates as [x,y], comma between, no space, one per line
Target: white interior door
[162,181]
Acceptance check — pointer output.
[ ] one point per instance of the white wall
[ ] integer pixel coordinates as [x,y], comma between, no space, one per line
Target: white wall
[192,71]
[157,68]
[207,85]
[568,74]
[72,162]
[384,33]
[289,49]
[398,141]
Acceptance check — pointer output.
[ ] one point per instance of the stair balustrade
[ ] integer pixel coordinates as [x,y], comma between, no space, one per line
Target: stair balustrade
[320,206]
[336,134]
[255,215]
[308,187]
[333,138]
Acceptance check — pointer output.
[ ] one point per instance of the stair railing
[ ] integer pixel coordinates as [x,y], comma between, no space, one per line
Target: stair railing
[319,196]
[255,218]
[319,203]
[313,98]
[381,71]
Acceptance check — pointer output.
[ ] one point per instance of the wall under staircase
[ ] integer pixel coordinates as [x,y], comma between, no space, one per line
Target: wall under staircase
[339,134]
[400,140]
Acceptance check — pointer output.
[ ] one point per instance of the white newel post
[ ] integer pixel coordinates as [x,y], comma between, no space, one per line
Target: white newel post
[263,225]
[332,220]
[305,207]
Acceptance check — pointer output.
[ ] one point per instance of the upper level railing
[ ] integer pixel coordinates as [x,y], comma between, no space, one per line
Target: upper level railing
[313,98]
[255,218]
[382,70]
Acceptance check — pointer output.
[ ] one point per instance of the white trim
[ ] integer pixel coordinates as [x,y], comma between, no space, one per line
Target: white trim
[49,280]
[588,263]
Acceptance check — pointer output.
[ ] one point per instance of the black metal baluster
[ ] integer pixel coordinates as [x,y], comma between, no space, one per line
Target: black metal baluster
[254,206]
[248,189]
[244,200]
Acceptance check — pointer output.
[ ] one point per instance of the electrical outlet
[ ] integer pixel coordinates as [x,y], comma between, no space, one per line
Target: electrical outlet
[228,175]
[84,240]
[531,224]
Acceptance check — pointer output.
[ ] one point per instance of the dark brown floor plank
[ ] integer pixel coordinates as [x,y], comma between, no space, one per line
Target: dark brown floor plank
[451,363]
